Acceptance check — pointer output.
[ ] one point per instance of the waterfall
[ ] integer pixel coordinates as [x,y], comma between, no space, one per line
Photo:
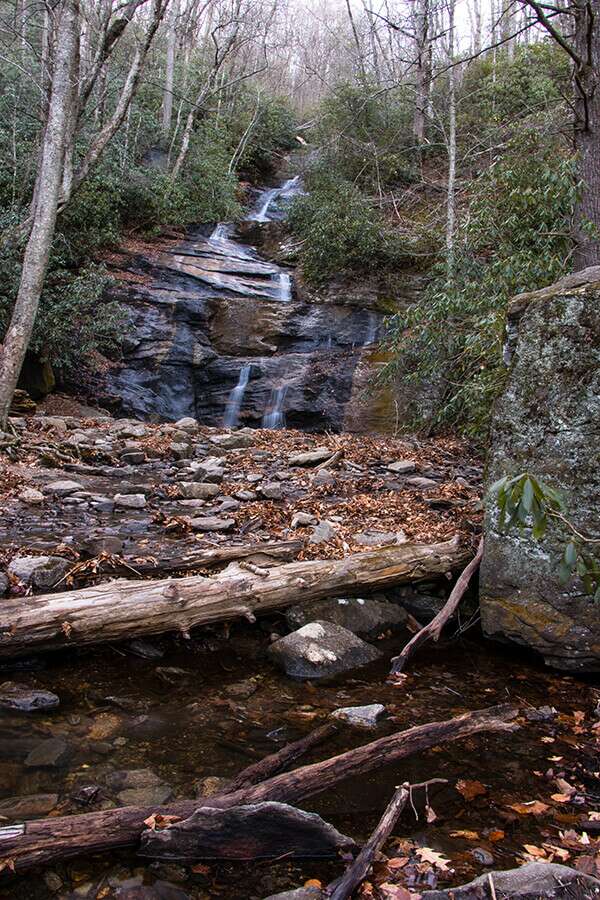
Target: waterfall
[267,199]
[236,398]
[372,331]
[220,234]
[274,416]
[284,286]
[289,186]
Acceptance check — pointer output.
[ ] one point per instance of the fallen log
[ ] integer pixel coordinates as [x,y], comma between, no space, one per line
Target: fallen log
[127,609]
[256,831]
[434,628]
[344,887]
[53,839]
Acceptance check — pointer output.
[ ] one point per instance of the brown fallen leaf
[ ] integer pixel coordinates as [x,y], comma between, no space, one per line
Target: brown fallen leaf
[426,854]
[470,789]
[531,808]
[397,862]
[7,864]
[532,850]
[468,835]
[200,869]
[156,821]
[389,891]
[313,883]
[561,798]
[496,835]
[564,787]
[594,816]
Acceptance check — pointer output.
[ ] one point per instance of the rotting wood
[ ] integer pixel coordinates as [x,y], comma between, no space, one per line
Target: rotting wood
[434,628]
[131,608]
[344,887]
[50,840]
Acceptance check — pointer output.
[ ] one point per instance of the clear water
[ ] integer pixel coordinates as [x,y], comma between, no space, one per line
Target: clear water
[236,398]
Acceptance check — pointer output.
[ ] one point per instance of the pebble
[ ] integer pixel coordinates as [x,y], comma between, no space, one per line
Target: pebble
[482,856]
[403,467]
[199,490]
[212,523]
[47,754]
[360,716]
[322,533]
[31,496]
[302,519]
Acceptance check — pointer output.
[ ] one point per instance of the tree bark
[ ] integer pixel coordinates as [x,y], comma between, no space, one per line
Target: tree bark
[587,133]
[125,609]
[167,107]
[46,192]
[50,840]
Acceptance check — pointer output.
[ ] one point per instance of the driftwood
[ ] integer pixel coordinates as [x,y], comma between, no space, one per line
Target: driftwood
[344,887]
[127,609]
[50,840]
[258,831]
[434,628]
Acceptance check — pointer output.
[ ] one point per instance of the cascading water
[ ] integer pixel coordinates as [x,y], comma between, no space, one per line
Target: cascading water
[274,416]
[236,398]
[372,331]
[220,234]
[284,286]
[267,199]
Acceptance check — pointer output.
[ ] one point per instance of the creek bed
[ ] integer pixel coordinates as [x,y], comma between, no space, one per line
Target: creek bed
[212,705]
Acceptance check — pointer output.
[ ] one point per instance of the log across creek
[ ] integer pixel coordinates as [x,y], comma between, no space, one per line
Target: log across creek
[133,608]
[49,840]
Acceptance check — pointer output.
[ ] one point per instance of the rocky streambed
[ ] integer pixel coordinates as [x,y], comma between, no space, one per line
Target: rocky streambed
[149,720]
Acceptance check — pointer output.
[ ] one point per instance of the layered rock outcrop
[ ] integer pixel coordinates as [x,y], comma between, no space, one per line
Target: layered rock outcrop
[548,423]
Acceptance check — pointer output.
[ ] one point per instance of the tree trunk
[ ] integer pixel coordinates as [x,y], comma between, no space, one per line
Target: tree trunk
[49,840]
[125,609]
[451,199]
[48,185]
[423,70]
[167,108]
[587,133]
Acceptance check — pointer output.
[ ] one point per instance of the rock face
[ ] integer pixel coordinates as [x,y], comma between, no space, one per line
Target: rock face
[221,336]
[548,423]
[321,650]
[535,881]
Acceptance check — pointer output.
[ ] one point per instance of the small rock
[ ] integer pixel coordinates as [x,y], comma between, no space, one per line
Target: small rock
[310,457]
[320,650]
[133,457]
[63,488]
[209,786]
[245,495]
[425,484]
[26,699]
[379,538]
[31,496]
[322,533]
[145,796]
[4,584]
[47,754]
[302,519]
[212,523]
[271,491]
[541,714]
[199,490]
[233,441]
[187,424]
[180,450]
[403,467]
[130,501]
[20,808]
[42,572]
[365,617]
[242,689]
[132,430]
[360,716]
[322,477]
[229,505]
[483,856]
[53,882]
[145,649]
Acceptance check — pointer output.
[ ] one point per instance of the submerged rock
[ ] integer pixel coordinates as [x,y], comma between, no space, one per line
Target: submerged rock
[26,699]
[367,617]
[360,716]
[20,808]
[321,650]
[47,754]
[547,423]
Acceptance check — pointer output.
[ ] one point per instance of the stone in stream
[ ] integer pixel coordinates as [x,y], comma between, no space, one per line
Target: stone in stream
[533,881]
[321,650]
[41,572]
[310,457]
[63,488]
[304,893]
[133,457]
[180,450]
[247,496]
[25,699]
[199,490]
[360,716]
[211,523]
[19,808]
[547,423]
[209,469]
[47,754]
[130,501]
[365,617]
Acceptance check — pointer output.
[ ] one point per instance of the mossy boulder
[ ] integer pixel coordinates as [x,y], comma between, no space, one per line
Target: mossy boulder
[547,423]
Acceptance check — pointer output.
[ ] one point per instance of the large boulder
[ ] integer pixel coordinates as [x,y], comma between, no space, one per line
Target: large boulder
[321,650]
[366,617]
[547,423]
